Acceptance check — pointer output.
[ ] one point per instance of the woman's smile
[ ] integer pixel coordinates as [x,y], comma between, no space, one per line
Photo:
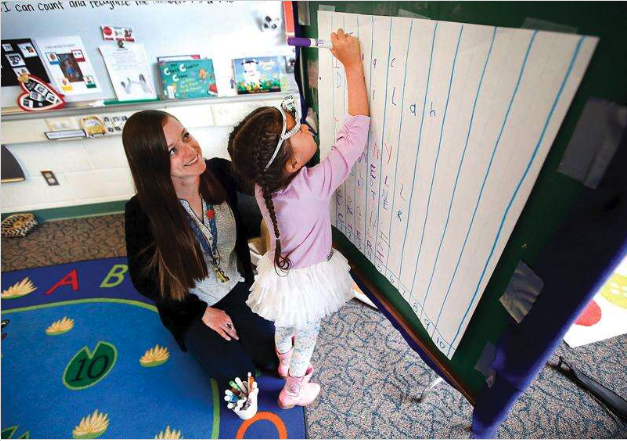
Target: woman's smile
[192,162]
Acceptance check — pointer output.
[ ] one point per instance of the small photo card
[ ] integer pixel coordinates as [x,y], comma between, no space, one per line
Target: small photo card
[41,89]
[15,59]
[28,50]
[78,55]
[20,70]
[36,96]
[52,58]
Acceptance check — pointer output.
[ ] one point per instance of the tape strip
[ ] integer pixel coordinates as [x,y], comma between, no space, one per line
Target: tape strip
[304,19]
[522,291]
[484,362]
[405,13]
[543,25]
[595,140]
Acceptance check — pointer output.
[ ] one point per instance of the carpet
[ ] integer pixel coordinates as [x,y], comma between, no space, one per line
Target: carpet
[85,356]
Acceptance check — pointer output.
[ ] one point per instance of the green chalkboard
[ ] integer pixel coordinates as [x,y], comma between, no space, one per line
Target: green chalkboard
[553,195]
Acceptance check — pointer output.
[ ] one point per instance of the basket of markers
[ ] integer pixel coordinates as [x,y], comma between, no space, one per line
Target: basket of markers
[242,397]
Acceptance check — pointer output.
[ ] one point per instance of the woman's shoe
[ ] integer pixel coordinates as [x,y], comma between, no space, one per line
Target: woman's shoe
[298,392]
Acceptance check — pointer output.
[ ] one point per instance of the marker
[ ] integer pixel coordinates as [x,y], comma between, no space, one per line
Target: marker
[236,392]
[231,399]
[251,380]
[309,42]
[241,386]
[235,387]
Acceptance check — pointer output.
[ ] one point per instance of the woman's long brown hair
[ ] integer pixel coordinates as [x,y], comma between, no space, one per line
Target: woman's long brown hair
[251,145]
[177,258]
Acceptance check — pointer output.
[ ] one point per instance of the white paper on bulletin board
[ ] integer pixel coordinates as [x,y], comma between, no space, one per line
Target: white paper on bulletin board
[68,65]
[463,117]
[129,71]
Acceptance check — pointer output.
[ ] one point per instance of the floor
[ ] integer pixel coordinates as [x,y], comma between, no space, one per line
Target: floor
[370,378]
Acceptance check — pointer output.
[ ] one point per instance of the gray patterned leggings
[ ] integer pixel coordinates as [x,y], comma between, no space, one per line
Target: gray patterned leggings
[304,344]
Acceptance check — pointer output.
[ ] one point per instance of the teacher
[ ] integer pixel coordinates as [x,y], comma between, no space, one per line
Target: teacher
[187,250]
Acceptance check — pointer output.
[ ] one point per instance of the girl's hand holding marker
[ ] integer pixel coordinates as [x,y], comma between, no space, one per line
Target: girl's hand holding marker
[242,397]
[310,42]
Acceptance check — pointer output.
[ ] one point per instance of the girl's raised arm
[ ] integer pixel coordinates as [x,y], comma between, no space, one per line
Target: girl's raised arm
[346,49]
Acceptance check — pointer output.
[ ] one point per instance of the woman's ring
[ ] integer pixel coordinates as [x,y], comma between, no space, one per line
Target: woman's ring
[228,325]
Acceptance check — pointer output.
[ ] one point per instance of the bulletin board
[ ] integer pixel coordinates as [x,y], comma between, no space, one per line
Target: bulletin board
[552,195]
[221,31]
[453,153]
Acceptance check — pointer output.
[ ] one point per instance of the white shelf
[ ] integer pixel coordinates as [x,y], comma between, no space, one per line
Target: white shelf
[25,127]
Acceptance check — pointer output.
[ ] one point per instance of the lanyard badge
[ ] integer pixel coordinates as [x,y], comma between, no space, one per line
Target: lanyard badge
[210,249]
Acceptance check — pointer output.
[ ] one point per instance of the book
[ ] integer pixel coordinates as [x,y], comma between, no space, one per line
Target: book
[188,79]
[257,75]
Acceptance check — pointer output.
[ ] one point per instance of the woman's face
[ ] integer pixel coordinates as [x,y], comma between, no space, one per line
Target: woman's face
[185,154]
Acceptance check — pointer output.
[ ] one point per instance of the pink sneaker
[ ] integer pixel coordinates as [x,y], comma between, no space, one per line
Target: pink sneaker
[298,392]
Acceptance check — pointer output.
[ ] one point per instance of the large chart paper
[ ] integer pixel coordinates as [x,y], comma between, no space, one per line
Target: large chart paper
[463,117]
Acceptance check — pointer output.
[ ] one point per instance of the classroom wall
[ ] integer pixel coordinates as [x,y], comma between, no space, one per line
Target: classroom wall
[89,171]
[217,30]
[93,171]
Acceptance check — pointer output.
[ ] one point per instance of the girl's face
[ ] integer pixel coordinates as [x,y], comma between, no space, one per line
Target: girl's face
[303,144]
[185,154]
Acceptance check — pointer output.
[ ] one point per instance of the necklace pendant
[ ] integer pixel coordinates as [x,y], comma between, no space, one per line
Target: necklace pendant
[223,278]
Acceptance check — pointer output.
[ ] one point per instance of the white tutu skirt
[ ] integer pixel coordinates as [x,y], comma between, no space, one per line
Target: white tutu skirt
[303,295]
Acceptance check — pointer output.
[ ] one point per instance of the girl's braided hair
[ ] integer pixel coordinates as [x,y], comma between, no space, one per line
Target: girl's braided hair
[251,145]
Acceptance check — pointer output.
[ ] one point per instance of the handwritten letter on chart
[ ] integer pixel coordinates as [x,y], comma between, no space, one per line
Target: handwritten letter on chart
[463,117]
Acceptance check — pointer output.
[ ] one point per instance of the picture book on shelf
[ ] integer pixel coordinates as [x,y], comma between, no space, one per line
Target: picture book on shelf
[257,74]
[188,78]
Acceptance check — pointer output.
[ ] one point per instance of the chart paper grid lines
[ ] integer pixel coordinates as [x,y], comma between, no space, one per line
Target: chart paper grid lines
[462,119]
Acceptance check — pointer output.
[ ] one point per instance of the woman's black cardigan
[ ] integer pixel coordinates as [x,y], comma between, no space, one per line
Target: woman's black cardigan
[178,315]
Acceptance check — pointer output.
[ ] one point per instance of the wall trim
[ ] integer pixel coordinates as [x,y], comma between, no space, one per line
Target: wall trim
[74,212]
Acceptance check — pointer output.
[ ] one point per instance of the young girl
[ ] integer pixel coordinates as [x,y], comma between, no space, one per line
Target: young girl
[301,279]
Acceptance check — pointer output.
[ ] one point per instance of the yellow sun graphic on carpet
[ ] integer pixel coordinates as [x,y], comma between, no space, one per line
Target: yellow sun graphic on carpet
[155,356]
[60,326]
[92,426]
[615,290]
[20,289]
[169,434]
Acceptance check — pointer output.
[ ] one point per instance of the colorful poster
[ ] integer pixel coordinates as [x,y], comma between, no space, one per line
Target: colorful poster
[257,74]
[129,72]
[69,65]
[20,56]
[188,79]
[606,314]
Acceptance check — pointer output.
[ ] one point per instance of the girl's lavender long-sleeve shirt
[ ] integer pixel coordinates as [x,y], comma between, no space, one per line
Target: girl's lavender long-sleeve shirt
[303,207]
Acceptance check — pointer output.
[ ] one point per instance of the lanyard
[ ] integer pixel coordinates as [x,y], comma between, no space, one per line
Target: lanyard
[210,249]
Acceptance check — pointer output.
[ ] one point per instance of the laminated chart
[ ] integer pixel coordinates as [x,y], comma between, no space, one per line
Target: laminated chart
[463,117]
